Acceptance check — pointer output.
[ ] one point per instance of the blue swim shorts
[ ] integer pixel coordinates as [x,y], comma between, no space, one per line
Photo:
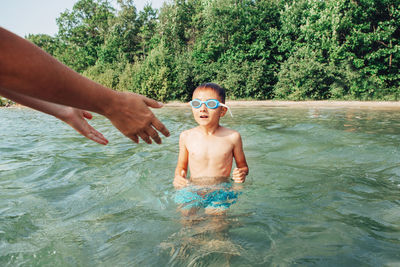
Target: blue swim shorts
[220,196]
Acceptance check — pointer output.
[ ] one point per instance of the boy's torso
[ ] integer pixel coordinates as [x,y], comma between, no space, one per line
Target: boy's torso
[210,156]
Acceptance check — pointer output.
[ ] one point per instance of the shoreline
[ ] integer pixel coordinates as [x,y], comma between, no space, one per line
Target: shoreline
[305,104]
[394,105]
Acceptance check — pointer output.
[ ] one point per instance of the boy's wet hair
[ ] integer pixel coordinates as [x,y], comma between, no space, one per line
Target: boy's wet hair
[215,87]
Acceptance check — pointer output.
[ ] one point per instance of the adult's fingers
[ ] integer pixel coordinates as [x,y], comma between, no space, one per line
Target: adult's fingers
[91,133]
[145,137]
[134,138]
[87,114]
[97,138]
[152,103]
[160,126]
[153,134]
[78,122]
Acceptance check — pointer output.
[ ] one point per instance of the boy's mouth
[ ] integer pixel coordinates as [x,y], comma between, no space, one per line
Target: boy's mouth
[203,116]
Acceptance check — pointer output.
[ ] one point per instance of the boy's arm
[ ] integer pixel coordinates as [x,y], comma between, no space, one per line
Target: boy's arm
[76,118]
[181,167]
[242,170]
[28,70]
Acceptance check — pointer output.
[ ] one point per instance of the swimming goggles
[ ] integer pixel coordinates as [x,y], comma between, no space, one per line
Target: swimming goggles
[210,103]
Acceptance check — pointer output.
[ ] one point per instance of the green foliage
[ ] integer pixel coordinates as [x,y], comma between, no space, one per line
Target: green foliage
[49,44]
[373,46]
[237,47]
[83,31]
[105,74]
[151,77]
[182,78]
[125,78]
[339,49]
[260,49]
[243,79]
[302,77]
[4,102]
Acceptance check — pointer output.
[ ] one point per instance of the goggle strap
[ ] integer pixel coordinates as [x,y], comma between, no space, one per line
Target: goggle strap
[227,108]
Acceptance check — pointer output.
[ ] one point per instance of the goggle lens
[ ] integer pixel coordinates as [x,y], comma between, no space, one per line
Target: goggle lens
[195,103]
[212,104]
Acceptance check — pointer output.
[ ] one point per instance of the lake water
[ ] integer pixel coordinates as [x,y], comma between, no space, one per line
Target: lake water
[323,190]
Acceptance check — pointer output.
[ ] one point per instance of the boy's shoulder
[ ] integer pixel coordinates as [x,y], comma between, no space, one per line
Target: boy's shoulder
[229,132]
[188,132]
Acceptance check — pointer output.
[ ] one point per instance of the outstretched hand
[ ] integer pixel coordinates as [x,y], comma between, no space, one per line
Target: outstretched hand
[131,115]
[76,118]
[28,73]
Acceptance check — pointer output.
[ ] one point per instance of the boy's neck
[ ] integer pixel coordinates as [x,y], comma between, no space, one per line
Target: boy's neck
[209,130]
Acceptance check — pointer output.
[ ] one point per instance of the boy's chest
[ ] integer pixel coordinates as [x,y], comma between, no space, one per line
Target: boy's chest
[210,149]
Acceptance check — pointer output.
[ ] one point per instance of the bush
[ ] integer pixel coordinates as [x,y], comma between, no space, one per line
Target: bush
[105,74]
[182,76]
[245,79]
[302,77]
[151,76]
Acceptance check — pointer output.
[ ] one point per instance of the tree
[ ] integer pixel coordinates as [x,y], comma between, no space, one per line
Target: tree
[48,43]
[296,49]
[148,21]
[373,46]
[83,31]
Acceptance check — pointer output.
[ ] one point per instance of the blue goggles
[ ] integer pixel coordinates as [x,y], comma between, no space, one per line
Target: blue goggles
[210,103]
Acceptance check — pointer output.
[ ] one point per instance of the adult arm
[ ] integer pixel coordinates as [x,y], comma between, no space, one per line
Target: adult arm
[28,70]
[76,118]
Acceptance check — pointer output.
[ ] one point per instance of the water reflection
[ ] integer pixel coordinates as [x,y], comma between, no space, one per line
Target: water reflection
[204,235]
[202,239]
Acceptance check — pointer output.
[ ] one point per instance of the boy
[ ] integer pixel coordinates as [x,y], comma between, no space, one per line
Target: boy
[209,150]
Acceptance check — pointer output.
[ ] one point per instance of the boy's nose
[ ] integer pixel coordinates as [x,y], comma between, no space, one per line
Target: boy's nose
[203,107]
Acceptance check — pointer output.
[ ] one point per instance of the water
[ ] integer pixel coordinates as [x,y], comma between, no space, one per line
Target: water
[323,190]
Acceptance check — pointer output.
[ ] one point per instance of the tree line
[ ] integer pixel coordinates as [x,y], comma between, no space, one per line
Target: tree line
[256,49]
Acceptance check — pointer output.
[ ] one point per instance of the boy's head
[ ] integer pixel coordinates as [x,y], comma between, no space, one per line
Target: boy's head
[206,110]
[214,87]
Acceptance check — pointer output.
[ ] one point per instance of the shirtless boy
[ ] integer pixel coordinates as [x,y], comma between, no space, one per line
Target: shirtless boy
[209,150]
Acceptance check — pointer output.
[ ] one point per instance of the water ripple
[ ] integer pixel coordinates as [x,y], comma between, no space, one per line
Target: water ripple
[322,191]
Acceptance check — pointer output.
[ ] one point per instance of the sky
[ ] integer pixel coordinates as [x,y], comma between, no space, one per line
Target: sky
[39,16]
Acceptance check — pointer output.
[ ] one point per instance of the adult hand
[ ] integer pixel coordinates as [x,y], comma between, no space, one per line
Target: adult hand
[76,118]
[27,70]
[72,116]
[130,114]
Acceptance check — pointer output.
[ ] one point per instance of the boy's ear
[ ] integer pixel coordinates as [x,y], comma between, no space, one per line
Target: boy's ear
[223,112]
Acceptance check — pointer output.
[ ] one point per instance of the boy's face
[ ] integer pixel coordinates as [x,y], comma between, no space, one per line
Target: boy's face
[205,116]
